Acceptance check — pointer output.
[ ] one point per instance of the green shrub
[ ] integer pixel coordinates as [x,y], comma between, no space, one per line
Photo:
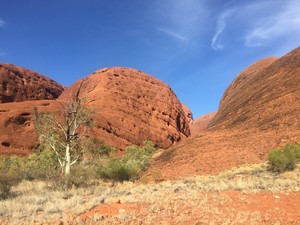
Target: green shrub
[82,175]
[12,164]
[117,170]
[97,148]
[7,181]
[284,159]
[42,165]
[37,165]
[128,167]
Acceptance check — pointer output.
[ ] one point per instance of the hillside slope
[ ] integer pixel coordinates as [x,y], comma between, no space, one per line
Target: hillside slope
[259,111]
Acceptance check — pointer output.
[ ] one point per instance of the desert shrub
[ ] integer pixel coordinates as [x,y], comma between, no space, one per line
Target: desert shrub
[136,157]
[128,167]
[7,181]
[284,159]
[83,175]
[118,170]
[36,165]
[42,165]
[12,164]
[148,146]
[97,148]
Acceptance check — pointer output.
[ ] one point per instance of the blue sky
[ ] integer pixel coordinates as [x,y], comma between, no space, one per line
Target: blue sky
[196,46]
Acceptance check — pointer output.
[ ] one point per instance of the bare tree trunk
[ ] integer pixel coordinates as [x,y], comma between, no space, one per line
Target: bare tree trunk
[68,161]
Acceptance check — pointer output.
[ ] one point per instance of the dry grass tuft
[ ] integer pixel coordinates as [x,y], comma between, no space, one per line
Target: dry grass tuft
[34,199]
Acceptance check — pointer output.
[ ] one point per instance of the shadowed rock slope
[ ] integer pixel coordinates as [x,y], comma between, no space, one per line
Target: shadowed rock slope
[260,110]
[201,123]
[188,113]
[20,84]
[131,107]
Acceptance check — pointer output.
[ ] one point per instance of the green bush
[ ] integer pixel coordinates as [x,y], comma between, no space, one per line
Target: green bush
[42,165]
[128,167]
[7,181]
[37,165]
[82,175]
[117,170]
[97,148]
[284,159]
[12,164]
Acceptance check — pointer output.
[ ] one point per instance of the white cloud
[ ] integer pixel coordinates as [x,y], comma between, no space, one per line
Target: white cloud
[2,23]
[221,25]
[258,23]
[173,34]
[284,23]
[181,19]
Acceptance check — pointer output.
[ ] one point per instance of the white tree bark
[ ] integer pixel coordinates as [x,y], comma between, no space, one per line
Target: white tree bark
[68,161]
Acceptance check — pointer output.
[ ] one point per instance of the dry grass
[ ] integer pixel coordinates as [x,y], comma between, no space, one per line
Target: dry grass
[36,203]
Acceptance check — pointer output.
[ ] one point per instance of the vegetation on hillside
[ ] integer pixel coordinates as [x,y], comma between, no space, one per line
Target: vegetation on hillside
[100,162]
[284,159]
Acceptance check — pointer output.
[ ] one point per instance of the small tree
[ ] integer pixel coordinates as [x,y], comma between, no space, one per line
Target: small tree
[64,134]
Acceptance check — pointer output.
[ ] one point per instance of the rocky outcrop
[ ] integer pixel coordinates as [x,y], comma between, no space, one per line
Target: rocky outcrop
[131,107]
[17,132]
[260,111]
[20,84]
[188,113]
[200,124]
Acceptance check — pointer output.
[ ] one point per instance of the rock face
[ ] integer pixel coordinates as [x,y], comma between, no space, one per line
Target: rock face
[17,133]
[200,124]
[20,84]
[188,113]
[260,111]
[131,107]
[247,89]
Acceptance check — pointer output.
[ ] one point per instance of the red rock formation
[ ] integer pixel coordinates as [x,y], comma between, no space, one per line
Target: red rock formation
[260,110]
[20,84]
[130,107]
[188,113]
[241,89]
[201,123]
[17,133]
